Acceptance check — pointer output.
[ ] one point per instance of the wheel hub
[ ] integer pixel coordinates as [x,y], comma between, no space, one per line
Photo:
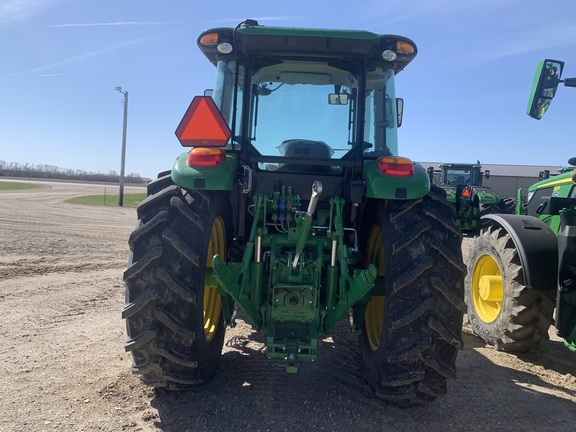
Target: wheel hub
[490,288]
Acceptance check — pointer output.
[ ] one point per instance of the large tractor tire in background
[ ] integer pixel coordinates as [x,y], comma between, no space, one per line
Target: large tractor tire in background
[501,309]
[508,205]
[411,336]
[485,209]
[488,209]
[173,311]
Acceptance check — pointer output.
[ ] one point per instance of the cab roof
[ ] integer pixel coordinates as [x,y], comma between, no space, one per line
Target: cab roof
[250,38]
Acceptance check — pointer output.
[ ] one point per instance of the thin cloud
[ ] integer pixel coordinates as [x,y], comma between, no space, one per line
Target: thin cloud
[557,35]
[57,74]
[262,18]
[20,10]
[160,23]
[397,11]
[90,54]
[117,23]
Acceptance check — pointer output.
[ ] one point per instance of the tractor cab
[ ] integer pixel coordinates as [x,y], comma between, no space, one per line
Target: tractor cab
[461,174]
[463,185]
[307,101]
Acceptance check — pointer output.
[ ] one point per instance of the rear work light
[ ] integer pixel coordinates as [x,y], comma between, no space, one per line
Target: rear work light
[395,166]
[206,157]
[213,39]
[402,48]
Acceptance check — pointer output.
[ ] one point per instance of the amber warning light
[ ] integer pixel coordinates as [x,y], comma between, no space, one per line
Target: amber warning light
[203,125]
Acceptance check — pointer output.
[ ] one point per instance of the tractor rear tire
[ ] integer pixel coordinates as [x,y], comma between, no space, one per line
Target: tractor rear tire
[412,334]
[501,309]
[173,311]
[488,209]
[507,205]
[162,182]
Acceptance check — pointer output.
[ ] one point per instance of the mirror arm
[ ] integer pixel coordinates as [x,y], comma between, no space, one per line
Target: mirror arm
[569,82]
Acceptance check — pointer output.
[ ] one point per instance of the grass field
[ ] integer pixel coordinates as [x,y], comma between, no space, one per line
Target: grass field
[17,186]
[130,200]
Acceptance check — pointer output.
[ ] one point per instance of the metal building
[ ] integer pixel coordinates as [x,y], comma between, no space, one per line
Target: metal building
[505,180]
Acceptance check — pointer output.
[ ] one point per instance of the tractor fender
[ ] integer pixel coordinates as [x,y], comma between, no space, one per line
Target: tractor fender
[381,186]
[205,178]
[537,247]
[485,195]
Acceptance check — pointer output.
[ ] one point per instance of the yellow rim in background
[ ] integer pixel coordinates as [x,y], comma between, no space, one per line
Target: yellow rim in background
[487,289]
[374,315]
[212,302]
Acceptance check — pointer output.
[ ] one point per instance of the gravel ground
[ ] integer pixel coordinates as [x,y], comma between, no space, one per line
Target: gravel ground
[64,365]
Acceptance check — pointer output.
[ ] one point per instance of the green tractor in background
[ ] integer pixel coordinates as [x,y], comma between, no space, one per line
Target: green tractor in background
[523,266]
[293,207]
[463,185]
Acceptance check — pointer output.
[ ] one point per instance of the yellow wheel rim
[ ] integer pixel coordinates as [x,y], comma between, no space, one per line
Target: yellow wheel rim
[374,315]
[212,302]
[487,292]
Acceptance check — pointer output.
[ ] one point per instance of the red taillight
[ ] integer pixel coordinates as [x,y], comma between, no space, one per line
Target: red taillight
[206,157]
[395,166]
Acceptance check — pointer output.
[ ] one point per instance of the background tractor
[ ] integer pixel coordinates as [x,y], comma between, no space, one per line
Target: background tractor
[523,266]
[293,207]
[463,185]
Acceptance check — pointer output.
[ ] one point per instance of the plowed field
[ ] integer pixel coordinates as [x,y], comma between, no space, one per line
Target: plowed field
[63,365]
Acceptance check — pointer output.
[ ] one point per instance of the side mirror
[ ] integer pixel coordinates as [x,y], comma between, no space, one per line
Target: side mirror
[338,98]
[546,80]
[487,174]
[430,172]
[543,175]
[399,111]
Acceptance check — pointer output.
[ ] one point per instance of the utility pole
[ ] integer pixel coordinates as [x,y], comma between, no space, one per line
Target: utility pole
[123,159]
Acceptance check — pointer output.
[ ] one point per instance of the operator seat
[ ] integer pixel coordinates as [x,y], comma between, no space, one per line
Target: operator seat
[305,149]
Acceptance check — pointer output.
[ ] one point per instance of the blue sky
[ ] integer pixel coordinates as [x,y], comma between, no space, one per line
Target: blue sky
[465,94]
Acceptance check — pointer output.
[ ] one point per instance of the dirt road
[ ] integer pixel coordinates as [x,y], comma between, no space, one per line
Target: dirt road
[64,367]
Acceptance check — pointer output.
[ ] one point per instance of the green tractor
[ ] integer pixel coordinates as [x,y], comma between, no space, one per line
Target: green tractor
[293,208]
[523,266]
[463,185]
